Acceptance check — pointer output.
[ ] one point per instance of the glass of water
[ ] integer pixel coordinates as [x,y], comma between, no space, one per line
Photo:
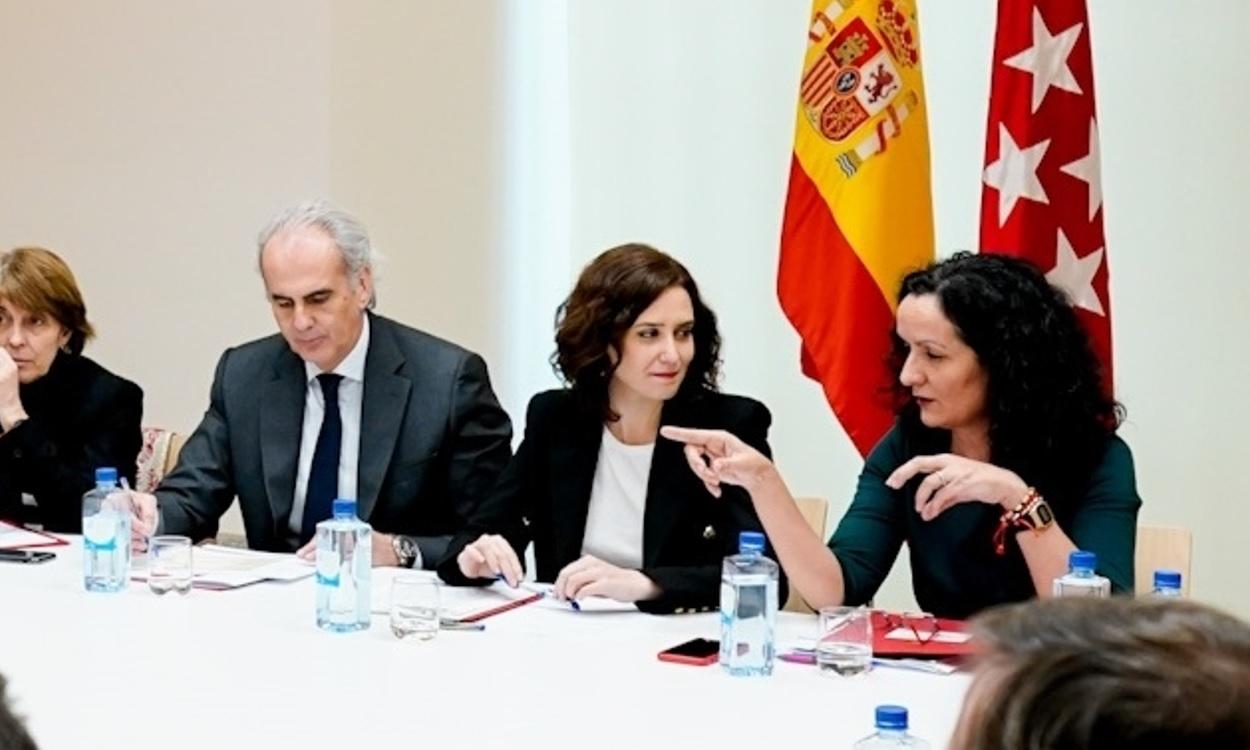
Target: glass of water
[844,641]
[414,607]
[169,564]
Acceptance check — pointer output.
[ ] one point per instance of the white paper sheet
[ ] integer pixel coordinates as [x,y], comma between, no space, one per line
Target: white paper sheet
[16,537]
[217,567]
[459,602]
[942,636]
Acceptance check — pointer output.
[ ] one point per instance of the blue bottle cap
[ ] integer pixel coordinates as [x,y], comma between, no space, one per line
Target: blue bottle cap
[1082,560]
[1167,579]
[891,717]
[344,507]
[106,475]
[750,541]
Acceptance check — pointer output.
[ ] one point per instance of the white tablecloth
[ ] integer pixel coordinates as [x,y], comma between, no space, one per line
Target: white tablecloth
[249,668]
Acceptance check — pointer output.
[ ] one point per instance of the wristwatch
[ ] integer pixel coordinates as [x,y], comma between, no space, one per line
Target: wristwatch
[1033,512]
[406,551]
[1036,515]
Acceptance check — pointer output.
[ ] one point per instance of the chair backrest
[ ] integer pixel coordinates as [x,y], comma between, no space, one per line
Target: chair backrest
[157,457]
[815,511]
[176,441]
[1162,547]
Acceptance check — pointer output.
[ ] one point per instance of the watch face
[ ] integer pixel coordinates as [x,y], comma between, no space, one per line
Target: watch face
[406,550]
[1044,515]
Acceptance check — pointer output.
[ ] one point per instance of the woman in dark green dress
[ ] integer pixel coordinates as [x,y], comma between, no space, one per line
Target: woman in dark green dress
[1003,459]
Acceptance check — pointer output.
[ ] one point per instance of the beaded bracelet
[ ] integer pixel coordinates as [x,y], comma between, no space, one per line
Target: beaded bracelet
[1011,519]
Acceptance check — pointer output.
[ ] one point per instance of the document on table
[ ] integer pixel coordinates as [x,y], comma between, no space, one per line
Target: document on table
[473,603]
[585,604]
[220,568]
[16,537]
[548,600]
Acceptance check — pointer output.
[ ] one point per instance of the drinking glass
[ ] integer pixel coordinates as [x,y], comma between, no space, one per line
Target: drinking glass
[414,607]
[844,641]
[169,564]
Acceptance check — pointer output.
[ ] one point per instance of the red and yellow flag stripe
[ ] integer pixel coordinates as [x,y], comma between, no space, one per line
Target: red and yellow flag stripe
[858,212]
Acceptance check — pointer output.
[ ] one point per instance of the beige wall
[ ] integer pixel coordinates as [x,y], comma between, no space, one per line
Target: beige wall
[415,148]
[147,142]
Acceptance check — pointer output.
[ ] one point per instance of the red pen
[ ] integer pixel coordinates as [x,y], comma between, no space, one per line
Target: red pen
[501,608]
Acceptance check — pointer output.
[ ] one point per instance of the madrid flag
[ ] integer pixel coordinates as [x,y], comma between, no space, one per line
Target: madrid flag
[858,212]
[1042,198]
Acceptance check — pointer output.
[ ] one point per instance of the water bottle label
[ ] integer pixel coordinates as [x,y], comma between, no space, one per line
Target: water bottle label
[327,568]
[99,532]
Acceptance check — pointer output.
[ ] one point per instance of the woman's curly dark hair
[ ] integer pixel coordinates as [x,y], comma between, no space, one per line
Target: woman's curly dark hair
[1049,412]
[612,291]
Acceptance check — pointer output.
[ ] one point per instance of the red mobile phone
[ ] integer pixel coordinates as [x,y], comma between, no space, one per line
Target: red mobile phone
[699,652]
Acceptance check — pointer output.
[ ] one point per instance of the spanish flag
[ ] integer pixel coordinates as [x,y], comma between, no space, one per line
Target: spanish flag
[858,212]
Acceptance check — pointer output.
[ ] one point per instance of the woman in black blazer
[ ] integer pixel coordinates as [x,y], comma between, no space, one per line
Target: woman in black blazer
[61,415]
[612,511]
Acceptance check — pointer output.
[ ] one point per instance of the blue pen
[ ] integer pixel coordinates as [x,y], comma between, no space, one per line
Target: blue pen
[527,585]
[538,589]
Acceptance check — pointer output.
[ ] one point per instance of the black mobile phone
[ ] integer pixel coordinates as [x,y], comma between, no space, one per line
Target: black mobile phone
[28,556]
[696,651]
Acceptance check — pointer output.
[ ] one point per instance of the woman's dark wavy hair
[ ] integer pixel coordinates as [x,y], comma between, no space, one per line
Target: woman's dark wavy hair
[612,291]
[1049,413]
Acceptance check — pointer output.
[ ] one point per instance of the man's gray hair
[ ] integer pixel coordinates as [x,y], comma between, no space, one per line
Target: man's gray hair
[345,230]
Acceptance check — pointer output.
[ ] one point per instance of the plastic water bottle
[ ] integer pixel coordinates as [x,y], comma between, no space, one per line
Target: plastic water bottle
[1081,580]
[1167,584]
[891,731]
[344,569]
[748,609]
[105,534]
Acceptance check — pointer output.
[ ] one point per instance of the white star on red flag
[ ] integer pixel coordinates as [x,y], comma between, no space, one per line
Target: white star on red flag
[1075,276]
[1087,169]
[1047,59]
[1014,174]
[1042,134]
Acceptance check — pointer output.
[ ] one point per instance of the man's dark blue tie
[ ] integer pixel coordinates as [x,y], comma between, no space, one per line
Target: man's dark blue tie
[323,478]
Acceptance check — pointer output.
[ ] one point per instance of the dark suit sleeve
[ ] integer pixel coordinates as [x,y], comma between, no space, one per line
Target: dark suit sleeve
[504,509]
[479,446]
[698,587]
[58,474]
[198,491]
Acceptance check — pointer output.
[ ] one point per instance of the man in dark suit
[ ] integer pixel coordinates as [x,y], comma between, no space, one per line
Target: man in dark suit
[344,403]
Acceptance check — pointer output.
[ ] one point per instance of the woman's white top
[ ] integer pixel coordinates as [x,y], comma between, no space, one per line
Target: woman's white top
[618,502]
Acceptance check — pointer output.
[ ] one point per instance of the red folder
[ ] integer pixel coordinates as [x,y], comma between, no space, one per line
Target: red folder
[886,622]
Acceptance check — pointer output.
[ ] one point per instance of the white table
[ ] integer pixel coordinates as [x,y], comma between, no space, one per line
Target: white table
[249,668]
